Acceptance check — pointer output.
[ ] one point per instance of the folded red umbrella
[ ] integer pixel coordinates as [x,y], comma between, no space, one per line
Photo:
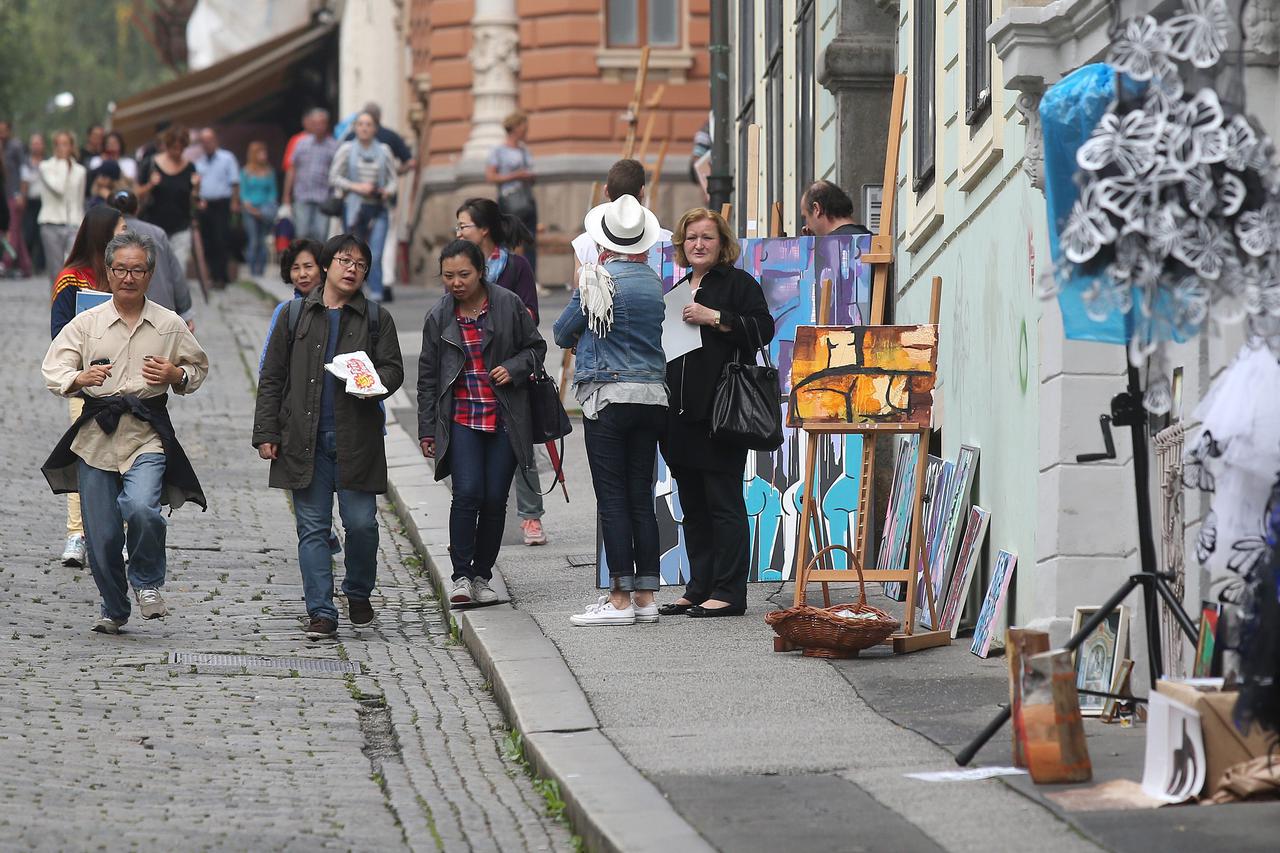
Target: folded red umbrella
[558,468]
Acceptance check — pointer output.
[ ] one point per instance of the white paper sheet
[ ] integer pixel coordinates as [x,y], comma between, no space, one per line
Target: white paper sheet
[679,337]
[972,774]
[1175,761]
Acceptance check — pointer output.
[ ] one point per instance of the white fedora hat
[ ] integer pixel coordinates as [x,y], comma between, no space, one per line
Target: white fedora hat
[624,226]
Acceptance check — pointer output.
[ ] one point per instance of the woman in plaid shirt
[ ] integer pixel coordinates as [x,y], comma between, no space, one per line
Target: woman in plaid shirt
[479,348]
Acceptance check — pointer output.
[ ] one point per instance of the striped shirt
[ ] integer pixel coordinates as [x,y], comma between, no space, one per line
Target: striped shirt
[474,403]
[310,163]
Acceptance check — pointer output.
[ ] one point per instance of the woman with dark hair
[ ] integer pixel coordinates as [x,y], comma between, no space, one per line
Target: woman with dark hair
[321,440]
[299,266]
[167,191]
[496,233]
[259,200]
[730,307]
[479,348]
[113,150]
[86,269]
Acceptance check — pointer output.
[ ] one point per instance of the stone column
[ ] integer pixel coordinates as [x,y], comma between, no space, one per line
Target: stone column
[495,63]
[857,67]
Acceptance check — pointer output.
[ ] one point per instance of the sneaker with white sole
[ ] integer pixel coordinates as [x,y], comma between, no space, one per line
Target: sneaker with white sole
[74,553]
[646,614]
[107,625]
[460,592]
[151,604]
[533,532]
[604,613]
[481,593]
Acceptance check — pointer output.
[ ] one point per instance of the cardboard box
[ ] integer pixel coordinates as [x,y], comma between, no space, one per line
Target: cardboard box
[1224,744]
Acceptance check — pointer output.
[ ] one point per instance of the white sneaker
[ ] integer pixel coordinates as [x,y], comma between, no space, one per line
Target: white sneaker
[105,625]
[646,614]
[73,555]
[460,592]
[153,606]
[604,613]
[481,593]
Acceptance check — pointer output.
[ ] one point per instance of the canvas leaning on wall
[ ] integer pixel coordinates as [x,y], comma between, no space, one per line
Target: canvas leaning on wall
[1098,658]
[993,604]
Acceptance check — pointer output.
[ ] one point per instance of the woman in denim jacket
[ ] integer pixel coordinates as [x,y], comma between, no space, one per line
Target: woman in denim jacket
[615,321]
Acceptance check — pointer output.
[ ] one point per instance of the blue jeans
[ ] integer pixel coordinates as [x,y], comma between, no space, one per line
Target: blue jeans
[313,514]
[369,223]
[255,250]
[482,464]
[622,447]
[309,223]
[109,500]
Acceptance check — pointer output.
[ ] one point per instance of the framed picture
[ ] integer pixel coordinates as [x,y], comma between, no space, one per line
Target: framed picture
[966,567]
[1119,687]
[1206,647]
[1098,657]
[997,592]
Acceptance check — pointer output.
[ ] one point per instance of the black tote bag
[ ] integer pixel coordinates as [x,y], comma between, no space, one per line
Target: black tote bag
[747,410]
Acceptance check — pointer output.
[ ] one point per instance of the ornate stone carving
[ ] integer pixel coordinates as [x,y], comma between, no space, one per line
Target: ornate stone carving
[1028,105]
[1262,32]
[495,62]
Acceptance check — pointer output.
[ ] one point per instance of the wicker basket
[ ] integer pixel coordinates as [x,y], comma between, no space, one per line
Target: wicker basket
[822,634]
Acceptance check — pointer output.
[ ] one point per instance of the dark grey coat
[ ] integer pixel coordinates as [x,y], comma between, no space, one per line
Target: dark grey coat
[289,386]
[511,340]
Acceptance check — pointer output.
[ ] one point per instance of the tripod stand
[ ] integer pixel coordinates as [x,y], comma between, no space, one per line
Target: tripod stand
[1126,410]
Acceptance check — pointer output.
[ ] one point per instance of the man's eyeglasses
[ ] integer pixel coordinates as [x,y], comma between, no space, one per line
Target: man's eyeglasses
[360,266]
[128,272]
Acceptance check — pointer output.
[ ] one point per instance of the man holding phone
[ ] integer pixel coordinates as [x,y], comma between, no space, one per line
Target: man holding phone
[122,455]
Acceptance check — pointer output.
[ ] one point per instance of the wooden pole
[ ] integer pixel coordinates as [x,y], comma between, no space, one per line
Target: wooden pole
[633,109]
[775,220]
[882,243]
[935,301]
[652,193]
[753,180]
[726,210]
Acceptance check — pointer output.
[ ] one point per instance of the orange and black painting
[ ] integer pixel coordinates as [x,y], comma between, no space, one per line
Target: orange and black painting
[863,374]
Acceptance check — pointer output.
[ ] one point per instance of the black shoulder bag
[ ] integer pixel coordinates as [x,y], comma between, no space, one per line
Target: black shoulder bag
[548,421]
[747,410]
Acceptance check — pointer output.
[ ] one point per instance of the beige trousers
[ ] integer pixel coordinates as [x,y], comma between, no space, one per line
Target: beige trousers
[75,526]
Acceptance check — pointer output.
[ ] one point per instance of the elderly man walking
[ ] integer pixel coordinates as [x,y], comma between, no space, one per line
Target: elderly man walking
[219,199]
[306,181]
[123,357]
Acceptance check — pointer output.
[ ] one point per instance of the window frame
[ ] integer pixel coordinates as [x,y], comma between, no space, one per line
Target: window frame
[977,67]
[924,114]
[806,96]
[641,9]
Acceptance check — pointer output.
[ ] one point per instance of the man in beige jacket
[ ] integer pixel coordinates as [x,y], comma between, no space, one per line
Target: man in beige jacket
[121,454]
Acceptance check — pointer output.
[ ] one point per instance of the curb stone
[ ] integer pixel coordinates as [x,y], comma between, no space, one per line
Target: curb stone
[611,805]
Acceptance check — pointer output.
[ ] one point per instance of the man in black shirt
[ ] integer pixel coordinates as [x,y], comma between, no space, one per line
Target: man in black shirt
[828,210]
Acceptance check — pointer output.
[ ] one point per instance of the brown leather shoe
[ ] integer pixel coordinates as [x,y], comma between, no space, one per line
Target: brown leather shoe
[322,628]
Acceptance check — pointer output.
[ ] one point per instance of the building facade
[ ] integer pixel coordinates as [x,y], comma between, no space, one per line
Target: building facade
[571,65]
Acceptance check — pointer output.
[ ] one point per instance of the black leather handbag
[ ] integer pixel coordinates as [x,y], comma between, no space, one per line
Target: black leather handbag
[548,421]
[747,410]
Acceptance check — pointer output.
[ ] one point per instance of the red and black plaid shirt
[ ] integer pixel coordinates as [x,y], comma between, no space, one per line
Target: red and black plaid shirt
[474,403]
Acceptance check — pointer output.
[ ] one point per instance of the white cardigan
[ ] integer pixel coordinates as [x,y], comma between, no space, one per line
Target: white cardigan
[61,193]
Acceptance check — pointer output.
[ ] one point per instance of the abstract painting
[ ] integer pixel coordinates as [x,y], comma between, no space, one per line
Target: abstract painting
[863,374]
[895,533]
[997,592]
[966,567]
[791,272]
[1099,656]
[1203,666]
[942,560]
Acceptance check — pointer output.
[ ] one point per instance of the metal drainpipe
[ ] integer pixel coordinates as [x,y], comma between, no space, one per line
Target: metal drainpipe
[720,181]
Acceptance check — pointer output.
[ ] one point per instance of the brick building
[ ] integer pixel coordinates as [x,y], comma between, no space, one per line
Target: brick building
[571,65]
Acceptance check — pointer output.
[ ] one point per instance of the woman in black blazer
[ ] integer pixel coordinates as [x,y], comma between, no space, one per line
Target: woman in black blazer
[731,309]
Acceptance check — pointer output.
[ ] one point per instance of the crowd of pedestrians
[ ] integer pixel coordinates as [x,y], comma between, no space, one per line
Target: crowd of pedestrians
[126,226]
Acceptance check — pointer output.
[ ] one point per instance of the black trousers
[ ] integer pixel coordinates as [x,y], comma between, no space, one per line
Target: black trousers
[715,534]
[215,231]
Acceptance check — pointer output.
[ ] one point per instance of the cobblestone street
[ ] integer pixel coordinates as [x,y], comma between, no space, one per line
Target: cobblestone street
[130,742]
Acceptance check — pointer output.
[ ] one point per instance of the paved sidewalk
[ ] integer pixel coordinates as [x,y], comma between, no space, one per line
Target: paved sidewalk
[107,743]
[758,751]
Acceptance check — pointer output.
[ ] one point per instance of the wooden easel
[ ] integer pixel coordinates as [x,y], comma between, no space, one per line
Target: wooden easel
[908,639]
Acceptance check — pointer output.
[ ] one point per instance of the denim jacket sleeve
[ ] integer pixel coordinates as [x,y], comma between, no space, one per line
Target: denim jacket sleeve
[572,323]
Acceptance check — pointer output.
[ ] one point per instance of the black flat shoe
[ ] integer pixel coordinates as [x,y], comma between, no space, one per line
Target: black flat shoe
[675,609]
[700,612]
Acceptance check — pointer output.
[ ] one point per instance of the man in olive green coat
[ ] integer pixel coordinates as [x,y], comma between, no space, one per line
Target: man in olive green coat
[321,440]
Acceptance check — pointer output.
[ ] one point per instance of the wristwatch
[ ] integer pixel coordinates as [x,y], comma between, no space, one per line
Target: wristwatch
[717,322]
[182,383]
